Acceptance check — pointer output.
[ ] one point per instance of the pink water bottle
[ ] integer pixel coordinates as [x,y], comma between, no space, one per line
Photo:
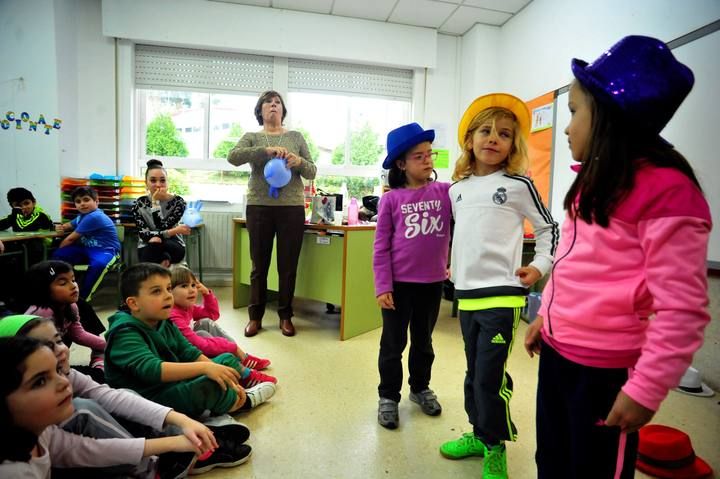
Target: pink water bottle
[353,212]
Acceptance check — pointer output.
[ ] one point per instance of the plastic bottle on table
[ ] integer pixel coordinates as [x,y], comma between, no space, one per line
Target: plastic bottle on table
[353,212]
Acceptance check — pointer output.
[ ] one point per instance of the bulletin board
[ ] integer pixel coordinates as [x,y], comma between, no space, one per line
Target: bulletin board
[540,146]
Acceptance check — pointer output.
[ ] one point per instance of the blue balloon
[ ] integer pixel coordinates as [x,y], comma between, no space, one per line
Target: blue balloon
[277,175]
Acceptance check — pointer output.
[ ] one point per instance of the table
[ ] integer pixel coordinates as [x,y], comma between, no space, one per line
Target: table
[21,237]
[335,267]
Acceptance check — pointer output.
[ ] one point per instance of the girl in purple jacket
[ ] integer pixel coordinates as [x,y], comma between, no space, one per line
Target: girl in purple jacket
[626,305]
[410,265]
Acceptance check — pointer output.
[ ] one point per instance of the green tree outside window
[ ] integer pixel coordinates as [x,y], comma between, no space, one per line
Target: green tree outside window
[312,147]
[365,148]
[227,144]
[163,139]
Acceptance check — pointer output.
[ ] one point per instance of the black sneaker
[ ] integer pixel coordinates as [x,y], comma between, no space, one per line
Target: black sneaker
[232,432]
[175,465]
[227,455]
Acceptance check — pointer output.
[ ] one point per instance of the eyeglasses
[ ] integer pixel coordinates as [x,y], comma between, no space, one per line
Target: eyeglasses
[423,156]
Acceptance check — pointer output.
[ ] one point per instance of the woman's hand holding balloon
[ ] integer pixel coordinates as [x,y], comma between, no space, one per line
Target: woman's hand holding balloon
[276,152]
[293,160]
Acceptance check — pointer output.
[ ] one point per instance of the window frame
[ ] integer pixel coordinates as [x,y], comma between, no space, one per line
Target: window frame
[280,84]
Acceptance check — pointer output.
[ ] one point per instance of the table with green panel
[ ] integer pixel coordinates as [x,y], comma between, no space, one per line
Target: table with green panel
[335,267]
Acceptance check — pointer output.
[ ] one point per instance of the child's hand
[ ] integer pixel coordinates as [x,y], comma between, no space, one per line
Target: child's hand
[385,301]
[60,228]
[184,444]
[528,275]
[202,289]
[628,414]
[223,375]
[199,434]
[155,239]
[532,336]
[2,247]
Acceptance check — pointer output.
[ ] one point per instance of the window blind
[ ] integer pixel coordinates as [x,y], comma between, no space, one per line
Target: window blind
[177,68]
[384,82]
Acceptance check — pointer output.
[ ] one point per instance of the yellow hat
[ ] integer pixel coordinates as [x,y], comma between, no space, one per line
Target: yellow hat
[498,100]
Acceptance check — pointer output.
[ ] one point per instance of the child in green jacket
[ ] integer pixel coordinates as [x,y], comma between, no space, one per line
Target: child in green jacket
[148,354]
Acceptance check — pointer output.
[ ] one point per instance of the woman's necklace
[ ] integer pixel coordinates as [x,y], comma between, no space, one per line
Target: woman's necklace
[267,141]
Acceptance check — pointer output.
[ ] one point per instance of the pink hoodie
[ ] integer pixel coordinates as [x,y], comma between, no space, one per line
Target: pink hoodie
[183,318]
[634,294]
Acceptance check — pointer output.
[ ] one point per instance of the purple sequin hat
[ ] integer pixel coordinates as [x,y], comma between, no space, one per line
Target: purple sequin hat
[640,76]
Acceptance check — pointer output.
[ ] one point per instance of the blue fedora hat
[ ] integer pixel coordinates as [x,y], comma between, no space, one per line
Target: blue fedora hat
[402,139]
[641,77]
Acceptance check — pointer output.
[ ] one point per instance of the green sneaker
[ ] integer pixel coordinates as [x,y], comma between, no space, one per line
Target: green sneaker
[495,464]
[468,445]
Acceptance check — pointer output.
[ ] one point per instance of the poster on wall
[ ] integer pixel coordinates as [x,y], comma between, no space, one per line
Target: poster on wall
[542,118]
[540,146]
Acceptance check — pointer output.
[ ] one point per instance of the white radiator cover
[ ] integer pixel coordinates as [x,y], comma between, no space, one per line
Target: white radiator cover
[217,239]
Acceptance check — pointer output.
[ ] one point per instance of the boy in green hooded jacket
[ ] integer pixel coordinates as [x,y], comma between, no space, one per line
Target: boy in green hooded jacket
[148,354]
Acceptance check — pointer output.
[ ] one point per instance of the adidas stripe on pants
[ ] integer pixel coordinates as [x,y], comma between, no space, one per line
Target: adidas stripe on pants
[489,335]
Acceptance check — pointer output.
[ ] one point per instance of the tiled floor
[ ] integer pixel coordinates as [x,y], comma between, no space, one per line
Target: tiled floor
[322,421]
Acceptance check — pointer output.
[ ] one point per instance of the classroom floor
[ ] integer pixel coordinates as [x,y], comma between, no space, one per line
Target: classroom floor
[322,421]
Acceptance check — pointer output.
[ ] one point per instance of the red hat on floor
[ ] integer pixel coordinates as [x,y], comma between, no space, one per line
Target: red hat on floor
[666,452]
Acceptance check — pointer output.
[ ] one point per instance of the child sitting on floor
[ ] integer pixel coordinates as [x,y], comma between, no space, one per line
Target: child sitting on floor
[102,412]
[52,287]
[147,353]
[35,396]
[198,325]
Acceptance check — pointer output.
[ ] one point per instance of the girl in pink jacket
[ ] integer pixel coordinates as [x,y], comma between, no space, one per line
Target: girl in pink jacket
[626,305]
[197,324]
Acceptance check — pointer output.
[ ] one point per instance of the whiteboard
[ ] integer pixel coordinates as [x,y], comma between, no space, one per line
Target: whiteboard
[562,175]
[694,130]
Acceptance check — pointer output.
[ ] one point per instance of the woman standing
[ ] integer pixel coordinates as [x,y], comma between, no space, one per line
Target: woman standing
[267,216]
[157,217]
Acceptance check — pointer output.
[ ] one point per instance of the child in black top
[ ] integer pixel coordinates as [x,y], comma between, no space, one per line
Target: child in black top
[26,215]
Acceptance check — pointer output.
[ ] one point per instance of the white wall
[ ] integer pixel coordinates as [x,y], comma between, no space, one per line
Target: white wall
[29,159]
[536,46]
[481,65]
[441,100]
[233,27]
[68,71]
[585,33]
[86,70]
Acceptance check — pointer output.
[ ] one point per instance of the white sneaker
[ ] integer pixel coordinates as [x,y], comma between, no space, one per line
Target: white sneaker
[260,393]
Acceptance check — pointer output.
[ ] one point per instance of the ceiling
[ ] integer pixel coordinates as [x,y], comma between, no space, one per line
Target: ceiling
[453,17]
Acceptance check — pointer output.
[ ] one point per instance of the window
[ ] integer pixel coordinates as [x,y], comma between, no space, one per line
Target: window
[347,112]
[194,105]
[194,132]
[346,136]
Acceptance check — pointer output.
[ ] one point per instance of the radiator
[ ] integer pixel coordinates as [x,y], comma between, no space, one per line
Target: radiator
[217,239]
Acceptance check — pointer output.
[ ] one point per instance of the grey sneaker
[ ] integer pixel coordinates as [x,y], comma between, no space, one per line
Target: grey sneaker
[260,393]
[388,416]
[428,402]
